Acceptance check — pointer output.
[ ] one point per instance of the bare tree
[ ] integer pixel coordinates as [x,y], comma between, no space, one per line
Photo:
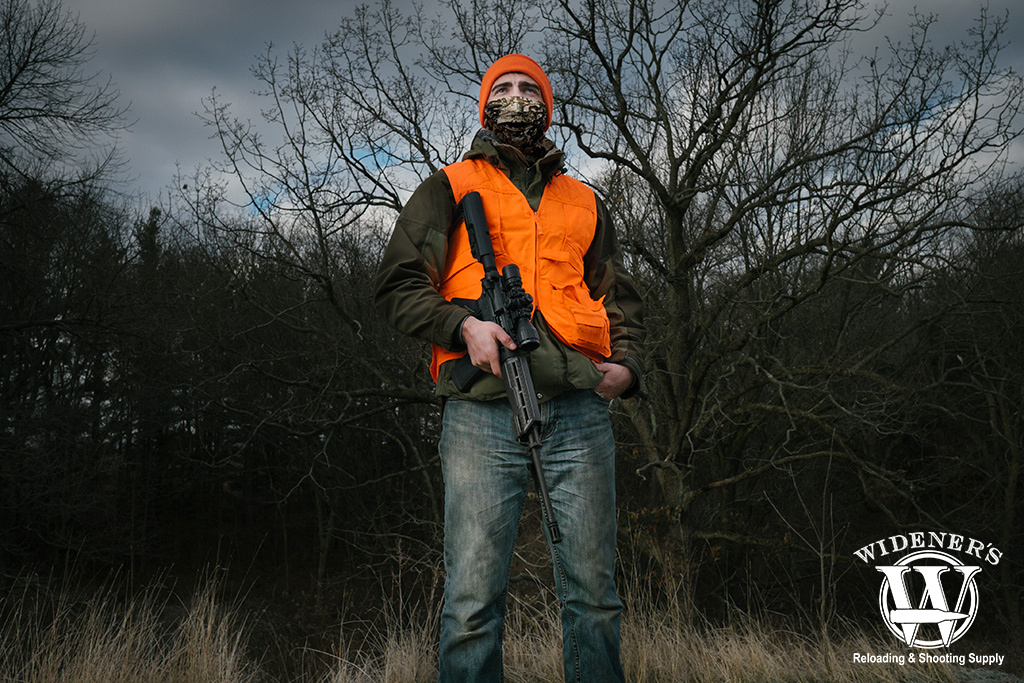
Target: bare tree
[63,254]
[971,386]
[56,117]
[783,199]
[62,264]
[300,238]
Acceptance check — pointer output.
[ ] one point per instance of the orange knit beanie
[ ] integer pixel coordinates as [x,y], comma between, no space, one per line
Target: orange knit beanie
[520,64]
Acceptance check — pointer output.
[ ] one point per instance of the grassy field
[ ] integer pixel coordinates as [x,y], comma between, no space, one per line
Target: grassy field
[102,638]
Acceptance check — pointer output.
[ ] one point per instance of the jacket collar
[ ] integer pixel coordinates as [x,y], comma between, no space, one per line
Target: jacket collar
[509,160]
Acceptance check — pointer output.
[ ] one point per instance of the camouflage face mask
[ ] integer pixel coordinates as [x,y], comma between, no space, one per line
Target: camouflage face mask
[516,121]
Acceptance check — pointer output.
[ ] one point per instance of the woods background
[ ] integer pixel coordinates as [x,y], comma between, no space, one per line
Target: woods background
[828,243]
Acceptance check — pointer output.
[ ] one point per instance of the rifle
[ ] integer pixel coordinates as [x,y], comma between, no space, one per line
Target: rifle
[503,301]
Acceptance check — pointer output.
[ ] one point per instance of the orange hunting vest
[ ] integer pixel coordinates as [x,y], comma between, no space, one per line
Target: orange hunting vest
[548,246]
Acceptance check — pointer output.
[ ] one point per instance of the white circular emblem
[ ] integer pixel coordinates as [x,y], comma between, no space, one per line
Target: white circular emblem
[928,599]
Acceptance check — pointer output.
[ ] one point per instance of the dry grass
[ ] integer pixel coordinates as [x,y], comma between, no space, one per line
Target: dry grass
[402,655]
[657,649]
[102,640]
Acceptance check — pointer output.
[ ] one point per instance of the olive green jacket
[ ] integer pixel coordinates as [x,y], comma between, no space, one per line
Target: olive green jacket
[406,288]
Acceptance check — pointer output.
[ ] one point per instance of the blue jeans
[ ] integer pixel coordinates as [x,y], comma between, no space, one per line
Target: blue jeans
[486,476]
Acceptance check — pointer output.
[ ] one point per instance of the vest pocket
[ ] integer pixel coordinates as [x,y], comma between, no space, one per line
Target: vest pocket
[591,322]
[573,316]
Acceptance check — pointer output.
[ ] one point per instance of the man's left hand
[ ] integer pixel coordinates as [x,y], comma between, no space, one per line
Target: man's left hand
[617,378]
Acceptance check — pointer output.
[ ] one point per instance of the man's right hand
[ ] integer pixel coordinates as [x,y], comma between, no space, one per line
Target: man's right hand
[482,338]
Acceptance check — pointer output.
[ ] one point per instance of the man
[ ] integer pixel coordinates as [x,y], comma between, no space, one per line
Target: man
[588,318]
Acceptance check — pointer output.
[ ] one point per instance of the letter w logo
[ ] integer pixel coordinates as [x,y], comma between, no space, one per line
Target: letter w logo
[905,618]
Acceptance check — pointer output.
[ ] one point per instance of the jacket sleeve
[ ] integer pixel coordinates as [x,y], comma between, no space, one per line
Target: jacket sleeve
[406,290]
[607,277]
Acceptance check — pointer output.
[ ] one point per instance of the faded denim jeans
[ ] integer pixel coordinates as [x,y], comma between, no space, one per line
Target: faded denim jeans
[486,476]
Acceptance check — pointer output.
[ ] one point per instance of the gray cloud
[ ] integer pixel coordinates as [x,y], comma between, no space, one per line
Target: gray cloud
[165,57]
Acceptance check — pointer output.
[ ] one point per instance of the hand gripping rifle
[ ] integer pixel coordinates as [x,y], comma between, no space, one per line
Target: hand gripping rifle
[503,301]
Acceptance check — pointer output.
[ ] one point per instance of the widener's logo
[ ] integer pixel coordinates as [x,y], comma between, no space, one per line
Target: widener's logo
[925,592]
[929,598]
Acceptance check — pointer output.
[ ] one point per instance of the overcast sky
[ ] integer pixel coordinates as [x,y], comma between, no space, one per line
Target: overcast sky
[165,56]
